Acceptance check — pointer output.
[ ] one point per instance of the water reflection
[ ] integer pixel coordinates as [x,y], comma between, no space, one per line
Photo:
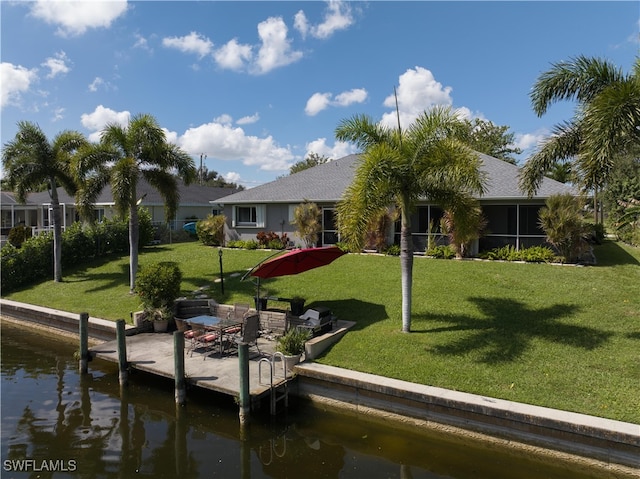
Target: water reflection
[86,426]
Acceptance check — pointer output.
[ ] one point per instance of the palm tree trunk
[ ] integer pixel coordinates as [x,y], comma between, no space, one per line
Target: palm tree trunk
[57,233]
[406,268]
[134,235]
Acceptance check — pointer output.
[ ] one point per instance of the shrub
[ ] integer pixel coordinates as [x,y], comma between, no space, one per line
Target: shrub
[307,220]
[210,231]
[158,285]
[18,235]
[563,223]
[271,240]
[392,250]
[441,251]
[533,254]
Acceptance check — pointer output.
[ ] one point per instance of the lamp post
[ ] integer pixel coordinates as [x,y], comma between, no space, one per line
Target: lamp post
[221,277]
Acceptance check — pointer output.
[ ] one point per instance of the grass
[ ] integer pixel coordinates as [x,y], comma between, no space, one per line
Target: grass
[556,336]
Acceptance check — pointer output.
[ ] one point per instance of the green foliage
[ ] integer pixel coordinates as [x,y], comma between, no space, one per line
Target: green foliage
[306,218]
[563,223]
[210,231]
[158,285]
[463,223]
[33,261]
[18,235]
[533,254]
[243,244]
[392,250]
[292,342]
[146,230]
[271,240]
[493,140]
[312,159]
[441,251]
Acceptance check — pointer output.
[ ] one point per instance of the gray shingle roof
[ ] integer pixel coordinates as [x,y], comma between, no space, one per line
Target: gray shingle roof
[327,182]
[192,195]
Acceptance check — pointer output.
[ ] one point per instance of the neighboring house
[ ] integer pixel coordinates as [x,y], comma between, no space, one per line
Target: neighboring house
[195,203]
[512,217]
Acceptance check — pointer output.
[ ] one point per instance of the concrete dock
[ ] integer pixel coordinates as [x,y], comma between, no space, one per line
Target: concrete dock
[153,353]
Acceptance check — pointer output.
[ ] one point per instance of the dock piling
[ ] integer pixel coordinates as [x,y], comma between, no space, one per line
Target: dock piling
[123,375]
[84,342]
[245,399]
[178,355]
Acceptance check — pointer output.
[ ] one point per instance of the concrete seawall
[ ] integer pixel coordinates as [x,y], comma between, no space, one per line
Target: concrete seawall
[99,329]
[595,441]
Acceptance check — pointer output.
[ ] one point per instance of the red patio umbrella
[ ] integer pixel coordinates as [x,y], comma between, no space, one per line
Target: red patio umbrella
[294,262]
[297,261]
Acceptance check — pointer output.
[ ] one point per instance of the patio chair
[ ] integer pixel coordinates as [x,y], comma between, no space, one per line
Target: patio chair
[201,339]
[249,334]
[240,310]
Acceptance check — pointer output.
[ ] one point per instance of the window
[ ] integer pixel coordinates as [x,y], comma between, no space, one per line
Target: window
[329,229]
[249,215]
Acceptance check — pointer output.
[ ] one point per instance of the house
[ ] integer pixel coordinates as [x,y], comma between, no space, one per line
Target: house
[512,217]
[195,203]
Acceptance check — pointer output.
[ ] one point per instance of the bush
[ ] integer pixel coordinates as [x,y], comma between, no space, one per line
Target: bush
[271,240]
[534,254]
[243,244]
[158,285]
[441,251]
[392,250]
[210,231]
[18,235]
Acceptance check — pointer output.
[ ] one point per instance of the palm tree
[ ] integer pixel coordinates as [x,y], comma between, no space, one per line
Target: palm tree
[603,128]
[31,159]
[424,162]
[123,157]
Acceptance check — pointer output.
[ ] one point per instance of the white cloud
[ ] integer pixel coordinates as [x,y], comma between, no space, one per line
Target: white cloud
[247,120]
[418,91]
[357,95]
[142,43]
[224,119]
[233,55]
[101,116]
[76,17]
[275,50]
[321,101]
[337,17]
[57,65]
[58,114]
[192,43]
[97,82]
[224,142]
[338,150]
[317,103]
[15,80]
[301,23]
[232,177]
[525,141]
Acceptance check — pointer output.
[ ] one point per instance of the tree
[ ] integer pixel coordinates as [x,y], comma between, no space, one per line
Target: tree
[312,159]
[463,223]
[486,137]
[31,159]
[123,157]
[562,221]
[306,218]
[604,126]
[214,179]
[399,168]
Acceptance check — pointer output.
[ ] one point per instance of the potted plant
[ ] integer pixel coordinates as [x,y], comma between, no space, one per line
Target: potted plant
[297,305]
[291,345]
[158,286]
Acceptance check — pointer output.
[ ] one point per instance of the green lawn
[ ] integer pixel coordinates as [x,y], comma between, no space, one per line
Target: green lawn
[557,336]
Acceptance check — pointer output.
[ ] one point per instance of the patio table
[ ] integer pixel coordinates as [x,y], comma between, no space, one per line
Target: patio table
[215,324]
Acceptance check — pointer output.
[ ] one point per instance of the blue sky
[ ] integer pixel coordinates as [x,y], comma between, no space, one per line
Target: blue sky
[256,86]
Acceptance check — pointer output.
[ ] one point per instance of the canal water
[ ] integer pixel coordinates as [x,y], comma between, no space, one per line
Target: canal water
[58,423]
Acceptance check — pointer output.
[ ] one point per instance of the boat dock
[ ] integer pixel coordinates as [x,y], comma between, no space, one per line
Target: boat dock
[154,353]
